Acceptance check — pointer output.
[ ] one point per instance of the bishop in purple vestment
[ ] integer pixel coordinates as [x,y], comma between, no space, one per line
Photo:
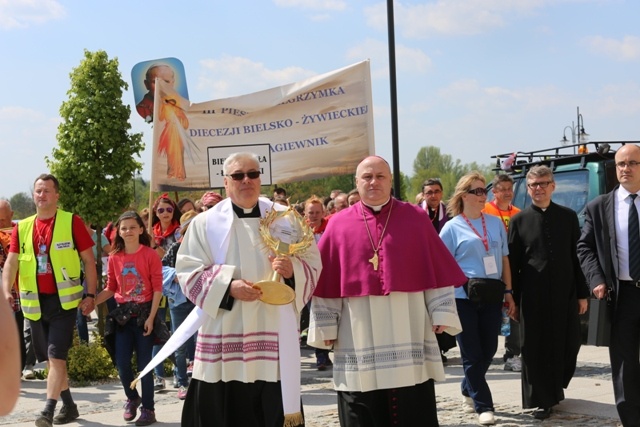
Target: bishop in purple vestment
[385,291]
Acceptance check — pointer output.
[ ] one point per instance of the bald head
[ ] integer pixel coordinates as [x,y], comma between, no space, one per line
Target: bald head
[628,167]
[6,214]
[373,180]
[627,149]
[372,159]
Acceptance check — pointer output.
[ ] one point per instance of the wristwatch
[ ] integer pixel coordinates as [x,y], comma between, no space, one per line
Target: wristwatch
[91,296]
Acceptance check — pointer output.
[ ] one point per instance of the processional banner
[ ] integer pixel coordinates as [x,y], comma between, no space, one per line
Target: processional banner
[318,127]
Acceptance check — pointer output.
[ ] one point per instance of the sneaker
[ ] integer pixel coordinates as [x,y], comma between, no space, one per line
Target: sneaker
[159,384]
[513,364]
[468,406]
[66,414]
[29,373]
[131,409]
[45,419]
[486,419]
[147,417]
[182,392]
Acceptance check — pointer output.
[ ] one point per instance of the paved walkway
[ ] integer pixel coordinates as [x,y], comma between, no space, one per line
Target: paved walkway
[589,399]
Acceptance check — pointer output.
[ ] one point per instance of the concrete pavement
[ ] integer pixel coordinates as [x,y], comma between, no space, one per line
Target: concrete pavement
[589,398]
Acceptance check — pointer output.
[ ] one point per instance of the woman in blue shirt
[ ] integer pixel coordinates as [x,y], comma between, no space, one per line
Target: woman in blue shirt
[478,242]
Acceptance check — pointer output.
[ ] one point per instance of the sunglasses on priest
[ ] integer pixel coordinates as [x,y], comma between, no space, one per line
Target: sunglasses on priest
[239,176]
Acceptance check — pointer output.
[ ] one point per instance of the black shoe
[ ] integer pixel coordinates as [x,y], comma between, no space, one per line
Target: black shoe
[542,413]
[45,419]
[66,414]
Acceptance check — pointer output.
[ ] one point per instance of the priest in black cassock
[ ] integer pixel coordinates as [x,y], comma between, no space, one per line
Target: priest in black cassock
[550,291]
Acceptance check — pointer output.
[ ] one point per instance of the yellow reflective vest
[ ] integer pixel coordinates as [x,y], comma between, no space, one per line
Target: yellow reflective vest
[64,259]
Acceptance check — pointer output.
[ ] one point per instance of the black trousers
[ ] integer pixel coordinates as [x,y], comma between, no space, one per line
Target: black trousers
[404,406]
[624,351]
[233,404]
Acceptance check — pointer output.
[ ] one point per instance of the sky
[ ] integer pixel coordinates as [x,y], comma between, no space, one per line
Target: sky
[475,78]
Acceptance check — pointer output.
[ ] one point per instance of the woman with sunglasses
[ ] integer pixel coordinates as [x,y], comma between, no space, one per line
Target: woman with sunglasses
[166,231]
[478,242]
[165,223]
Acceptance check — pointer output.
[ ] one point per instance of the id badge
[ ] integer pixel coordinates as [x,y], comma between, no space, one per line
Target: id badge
[42,263]
[490,265]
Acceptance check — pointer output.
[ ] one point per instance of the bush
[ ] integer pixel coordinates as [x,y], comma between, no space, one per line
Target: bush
[89,362]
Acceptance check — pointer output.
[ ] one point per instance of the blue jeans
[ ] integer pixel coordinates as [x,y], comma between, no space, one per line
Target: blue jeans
[128,338]
[159,369]
[478,343]
[178,314]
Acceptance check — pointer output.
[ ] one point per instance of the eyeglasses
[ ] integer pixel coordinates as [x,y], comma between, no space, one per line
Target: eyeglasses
[161,210]
[433,193]
[630,164]
[541,184]
[480,191]
[239,176]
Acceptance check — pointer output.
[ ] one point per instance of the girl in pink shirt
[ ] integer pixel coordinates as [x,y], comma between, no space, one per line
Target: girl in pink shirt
[135,279]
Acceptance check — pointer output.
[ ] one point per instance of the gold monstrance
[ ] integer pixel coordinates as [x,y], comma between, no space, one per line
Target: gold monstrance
[285,233]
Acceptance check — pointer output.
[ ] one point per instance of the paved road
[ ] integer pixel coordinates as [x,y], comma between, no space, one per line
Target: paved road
[589,399]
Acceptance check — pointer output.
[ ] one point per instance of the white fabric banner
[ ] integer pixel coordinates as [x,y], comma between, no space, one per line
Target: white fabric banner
[311,129]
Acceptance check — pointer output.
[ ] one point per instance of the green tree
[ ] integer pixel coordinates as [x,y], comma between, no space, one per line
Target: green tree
[140,190]
[431,163]
[22,206]
[95,157]
[405,185]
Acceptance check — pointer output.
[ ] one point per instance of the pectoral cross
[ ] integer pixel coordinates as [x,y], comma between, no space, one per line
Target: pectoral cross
[374,261]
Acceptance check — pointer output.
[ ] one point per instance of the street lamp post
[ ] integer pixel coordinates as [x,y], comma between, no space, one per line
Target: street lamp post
[578,134]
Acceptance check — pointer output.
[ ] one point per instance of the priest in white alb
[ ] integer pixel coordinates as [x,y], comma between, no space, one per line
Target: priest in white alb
[247,361]
[385,291]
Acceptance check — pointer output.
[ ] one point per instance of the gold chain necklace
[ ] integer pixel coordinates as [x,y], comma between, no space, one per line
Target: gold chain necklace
[374,259]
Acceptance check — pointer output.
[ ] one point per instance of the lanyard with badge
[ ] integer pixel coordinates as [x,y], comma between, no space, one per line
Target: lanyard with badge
[42,257]
[489,261]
